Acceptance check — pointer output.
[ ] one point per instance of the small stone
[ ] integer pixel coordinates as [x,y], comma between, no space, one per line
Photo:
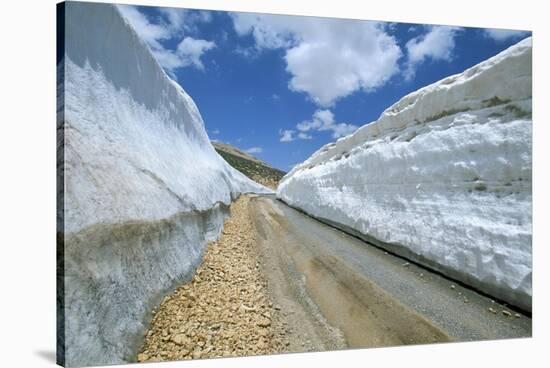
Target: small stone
[492,310]
[517,315]
[179,339]
[142,357]
[196,354]
[506,313]
[453,287]
[406,264]
[264,322]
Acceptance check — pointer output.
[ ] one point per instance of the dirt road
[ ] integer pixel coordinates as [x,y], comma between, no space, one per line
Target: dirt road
[373,298]
[279,281]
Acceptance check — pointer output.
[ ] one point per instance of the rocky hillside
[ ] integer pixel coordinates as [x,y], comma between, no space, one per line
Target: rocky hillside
[252,167]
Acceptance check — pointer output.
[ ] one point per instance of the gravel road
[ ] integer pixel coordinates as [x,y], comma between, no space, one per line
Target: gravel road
[279,281]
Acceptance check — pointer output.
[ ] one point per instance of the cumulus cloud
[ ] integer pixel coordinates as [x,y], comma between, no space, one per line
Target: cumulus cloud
[269,31]
[328,59]
[172,24]
[254,150]
[501,35]
[287,135]
[190,51]
[322,120]
[150,32]
[436,44]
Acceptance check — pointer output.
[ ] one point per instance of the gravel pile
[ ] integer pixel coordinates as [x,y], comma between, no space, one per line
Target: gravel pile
[225,310]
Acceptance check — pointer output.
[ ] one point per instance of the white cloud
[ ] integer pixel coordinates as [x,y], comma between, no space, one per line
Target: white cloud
[323,120]
[215,131]
[249,53]
[254,150]
[436,44]
[327,58]
[302,135]
[287,135]
[150,32]
[269,31]
[172,25]
[343,129]
[190,51]
[501,35]
[176,19]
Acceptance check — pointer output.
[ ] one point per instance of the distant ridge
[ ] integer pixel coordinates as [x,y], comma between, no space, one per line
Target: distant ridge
[249,165]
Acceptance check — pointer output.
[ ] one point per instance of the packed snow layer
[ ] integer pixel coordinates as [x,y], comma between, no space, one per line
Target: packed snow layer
[443,177]
[143,190]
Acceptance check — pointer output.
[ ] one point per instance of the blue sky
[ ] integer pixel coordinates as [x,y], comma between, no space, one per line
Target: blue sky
[280,87]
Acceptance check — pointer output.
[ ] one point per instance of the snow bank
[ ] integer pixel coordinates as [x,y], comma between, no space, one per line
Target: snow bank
[143,190]
[443,177]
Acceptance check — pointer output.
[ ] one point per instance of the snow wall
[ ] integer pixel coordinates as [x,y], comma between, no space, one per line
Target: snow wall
[443,177]
[141,189]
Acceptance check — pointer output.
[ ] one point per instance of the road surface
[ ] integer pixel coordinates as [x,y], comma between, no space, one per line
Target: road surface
[341,292]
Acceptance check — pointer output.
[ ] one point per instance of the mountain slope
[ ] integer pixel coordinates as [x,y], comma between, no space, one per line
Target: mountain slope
[442,177]
[250,166]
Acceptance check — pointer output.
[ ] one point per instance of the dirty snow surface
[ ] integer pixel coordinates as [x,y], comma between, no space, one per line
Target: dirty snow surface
[143,189]
[442,177]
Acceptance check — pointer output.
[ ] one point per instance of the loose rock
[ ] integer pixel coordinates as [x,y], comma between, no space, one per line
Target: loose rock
[225,310]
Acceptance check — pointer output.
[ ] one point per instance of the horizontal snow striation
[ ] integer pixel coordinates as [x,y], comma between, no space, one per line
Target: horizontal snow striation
[443,177]
[143,191]
[116,274]
[135,144]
